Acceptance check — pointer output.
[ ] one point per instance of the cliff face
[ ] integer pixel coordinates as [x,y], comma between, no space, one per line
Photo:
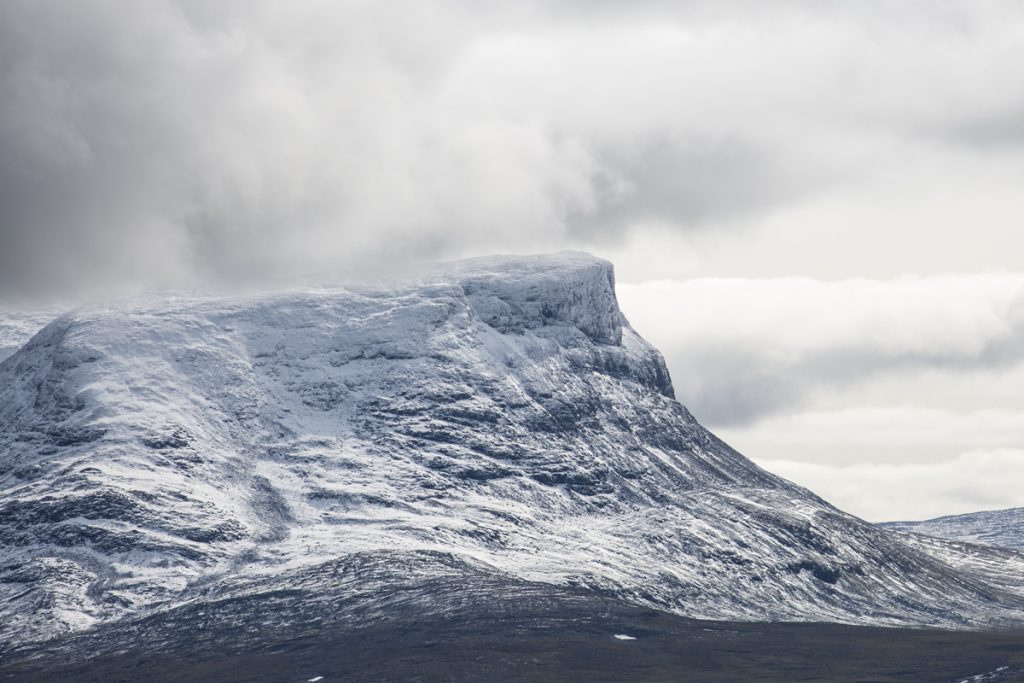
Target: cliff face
[531,294]
[497,411]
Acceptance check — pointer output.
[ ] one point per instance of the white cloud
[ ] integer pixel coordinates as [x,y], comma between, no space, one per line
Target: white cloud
[739,349]
[977,480]
[896,434]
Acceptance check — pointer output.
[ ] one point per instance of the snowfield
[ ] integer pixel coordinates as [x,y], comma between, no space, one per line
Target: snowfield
[500,412]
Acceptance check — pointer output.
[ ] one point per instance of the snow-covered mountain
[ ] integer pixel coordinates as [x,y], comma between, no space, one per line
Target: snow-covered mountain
[494,416]
[1000,528]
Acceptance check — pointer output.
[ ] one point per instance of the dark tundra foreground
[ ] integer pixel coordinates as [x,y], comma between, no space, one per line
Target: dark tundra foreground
[197,477]
[442,620]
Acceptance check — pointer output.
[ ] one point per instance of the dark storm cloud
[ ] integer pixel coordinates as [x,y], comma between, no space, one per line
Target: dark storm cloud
[165,140]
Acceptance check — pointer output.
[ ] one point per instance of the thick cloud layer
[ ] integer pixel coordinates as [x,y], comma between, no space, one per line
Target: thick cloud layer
[169,139]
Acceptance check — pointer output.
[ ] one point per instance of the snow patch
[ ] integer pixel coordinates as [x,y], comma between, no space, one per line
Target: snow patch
[993,675]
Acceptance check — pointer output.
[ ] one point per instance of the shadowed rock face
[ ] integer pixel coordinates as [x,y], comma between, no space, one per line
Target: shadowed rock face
[500,410]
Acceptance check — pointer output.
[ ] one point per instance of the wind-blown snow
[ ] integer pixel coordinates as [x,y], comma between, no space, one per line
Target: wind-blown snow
[502,410]
[17,326]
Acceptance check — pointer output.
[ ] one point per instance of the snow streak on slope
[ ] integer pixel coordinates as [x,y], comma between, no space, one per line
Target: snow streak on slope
[501,410]
[1002,528]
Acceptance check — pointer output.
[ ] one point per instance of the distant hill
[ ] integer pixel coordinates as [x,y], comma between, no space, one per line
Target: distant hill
[1001,528]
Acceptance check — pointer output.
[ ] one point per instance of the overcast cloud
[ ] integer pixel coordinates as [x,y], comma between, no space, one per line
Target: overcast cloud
[814,207]
[163,139]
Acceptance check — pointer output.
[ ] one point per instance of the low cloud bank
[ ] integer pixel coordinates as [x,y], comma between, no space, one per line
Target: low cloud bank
[740,350]
[976,480]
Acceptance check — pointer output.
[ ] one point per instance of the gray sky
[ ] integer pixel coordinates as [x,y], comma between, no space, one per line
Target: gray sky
[815,207]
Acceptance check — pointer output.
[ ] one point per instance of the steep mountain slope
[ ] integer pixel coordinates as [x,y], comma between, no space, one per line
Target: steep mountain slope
[1001,528]
[499,412]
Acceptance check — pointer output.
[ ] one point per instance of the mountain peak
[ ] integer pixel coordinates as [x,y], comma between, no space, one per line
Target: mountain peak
[516,293]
